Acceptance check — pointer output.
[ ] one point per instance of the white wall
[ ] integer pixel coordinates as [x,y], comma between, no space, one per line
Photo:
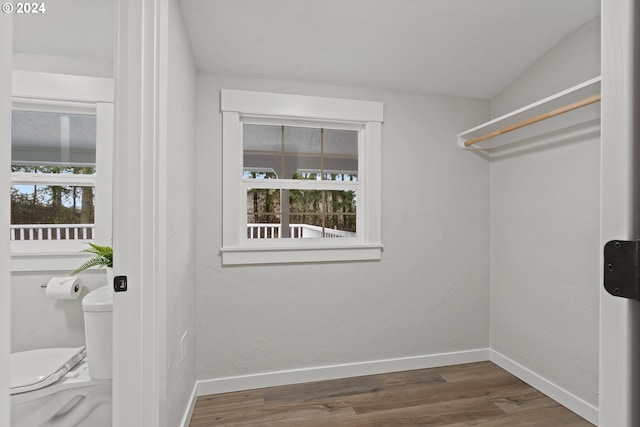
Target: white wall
[180,201]
[40,322]
[62,65]
[574,59]
[428,294]
[545,213]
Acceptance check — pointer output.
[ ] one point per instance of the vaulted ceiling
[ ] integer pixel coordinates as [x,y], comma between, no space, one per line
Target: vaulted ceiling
[470,48]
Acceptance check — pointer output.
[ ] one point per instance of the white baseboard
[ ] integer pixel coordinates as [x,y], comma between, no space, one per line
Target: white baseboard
[186,419]
[322,373]
[560,395]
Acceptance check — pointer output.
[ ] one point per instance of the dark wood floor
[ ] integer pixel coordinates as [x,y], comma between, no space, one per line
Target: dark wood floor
[476,394]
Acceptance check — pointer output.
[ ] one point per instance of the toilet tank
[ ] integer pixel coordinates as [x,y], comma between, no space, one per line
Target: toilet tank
[98,331]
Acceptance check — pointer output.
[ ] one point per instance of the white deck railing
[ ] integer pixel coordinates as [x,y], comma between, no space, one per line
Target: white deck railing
[51,232]
[296,231]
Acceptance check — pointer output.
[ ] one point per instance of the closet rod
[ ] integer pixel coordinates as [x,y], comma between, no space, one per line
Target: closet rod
[549,114]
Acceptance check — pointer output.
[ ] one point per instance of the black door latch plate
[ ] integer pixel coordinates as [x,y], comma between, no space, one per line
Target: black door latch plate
[120,284]
[621,271]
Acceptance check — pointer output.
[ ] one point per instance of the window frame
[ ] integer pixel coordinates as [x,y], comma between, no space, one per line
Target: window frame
[239,107]
[73,94]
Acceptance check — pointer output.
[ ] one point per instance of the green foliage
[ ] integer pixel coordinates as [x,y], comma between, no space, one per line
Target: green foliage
[103,258]
[322,208]
[52,204]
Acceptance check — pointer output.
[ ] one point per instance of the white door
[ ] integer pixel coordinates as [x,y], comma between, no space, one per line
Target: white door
[620,318]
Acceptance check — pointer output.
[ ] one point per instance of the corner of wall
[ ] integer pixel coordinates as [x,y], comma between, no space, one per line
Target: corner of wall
[555,392]
[529,208]
[179,104]
[573,60]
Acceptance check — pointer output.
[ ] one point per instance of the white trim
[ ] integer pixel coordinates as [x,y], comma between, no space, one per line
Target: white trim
[305,122]
[52,92]
[347,370]
[6,60]
[188,413]
[58,106]
[29,84]
[365,116]
[49,252]
[371,215]
[103,211]
[138,372]
[77,180]
[300,254]
[619,331]
[300,106]
[232,194]
[299,184]
[555,392]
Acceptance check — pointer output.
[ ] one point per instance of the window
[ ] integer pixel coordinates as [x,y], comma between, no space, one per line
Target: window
[61,160]
[283,155]
[53,165]
[301,178]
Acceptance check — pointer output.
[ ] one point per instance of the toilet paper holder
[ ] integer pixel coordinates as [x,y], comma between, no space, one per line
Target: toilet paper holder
[75,288]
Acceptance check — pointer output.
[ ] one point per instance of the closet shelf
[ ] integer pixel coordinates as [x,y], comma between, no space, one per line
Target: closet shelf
[576,105]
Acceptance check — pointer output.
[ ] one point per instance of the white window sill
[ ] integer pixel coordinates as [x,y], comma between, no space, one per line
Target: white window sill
[297,254]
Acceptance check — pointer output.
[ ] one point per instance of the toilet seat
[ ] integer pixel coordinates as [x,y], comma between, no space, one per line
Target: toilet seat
[35,369]
[75,399]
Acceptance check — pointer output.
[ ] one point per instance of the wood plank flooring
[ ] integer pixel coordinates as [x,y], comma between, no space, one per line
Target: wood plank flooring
[475,394]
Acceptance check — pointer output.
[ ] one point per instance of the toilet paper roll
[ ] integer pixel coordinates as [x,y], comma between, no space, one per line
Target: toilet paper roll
[64,288]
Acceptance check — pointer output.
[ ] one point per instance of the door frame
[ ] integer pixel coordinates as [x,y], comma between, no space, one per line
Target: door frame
[139,385]
[6,66]
[138,376]
[619,318]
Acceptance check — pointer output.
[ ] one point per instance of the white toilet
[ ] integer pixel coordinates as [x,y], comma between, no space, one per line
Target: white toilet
[66,387]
